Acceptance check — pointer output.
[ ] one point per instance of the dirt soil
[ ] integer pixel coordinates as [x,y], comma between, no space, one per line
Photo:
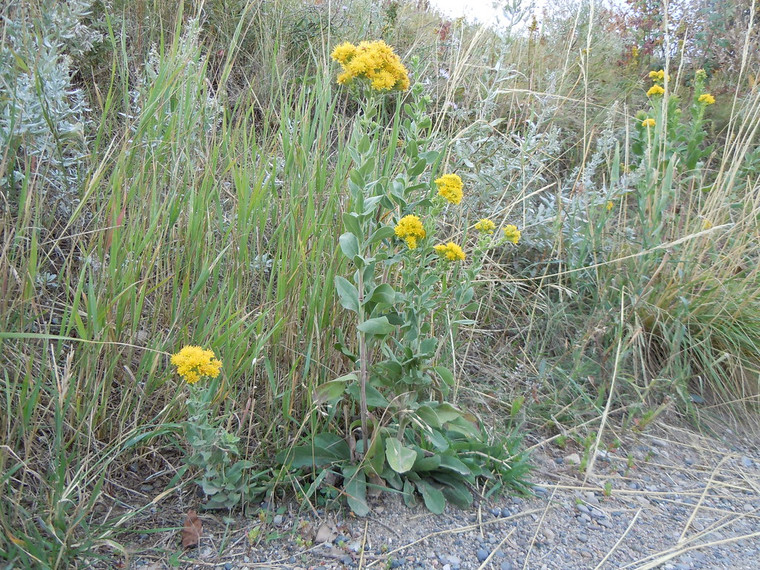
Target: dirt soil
[665,498]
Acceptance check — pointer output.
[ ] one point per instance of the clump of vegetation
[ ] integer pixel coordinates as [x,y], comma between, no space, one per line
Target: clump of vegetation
[529,235]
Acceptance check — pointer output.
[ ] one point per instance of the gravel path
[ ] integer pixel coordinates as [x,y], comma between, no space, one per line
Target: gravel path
[668,498]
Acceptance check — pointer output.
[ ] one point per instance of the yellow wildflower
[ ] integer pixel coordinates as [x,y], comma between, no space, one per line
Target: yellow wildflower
[450,251]
[707,224]
[650,122]
[344,52]
[655,90]
[374,62]
[409,228]
[706,98]
[610,204]
[450,187]
[511,233]
[193,362]
[658,75]
[486,226]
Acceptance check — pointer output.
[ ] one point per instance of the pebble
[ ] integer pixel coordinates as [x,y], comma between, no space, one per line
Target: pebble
[573,459]
[748,507]
[506,566]
[278,519]
[747,462]
[583,508]
[482,554]
[496,512]
[582,537]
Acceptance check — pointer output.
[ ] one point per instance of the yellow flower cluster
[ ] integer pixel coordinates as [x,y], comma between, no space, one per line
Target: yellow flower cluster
[511,233]
[658,76]
[706,99]
[193,362]
[485,226]
[373,61]
[450,251]
[409,228]
[450,187]
[655,90]
[650,122]
[609,205]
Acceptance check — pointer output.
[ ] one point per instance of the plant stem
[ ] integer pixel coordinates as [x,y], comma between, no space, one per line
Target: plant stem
[363,371]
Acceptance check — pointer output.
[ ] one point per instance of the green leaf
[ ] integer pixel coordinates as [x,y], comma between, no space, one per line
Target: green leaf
[400,458]
[356,489]
[434,499]
[451,463]
[437,439]
[351,221]
[347,293]
[445,374]
[327,448]
[423,463]
[409,499]
[383,293]
[332,390]
[381,233]
[428,415]
[457,495]
[447,413]
[374,398]
[377,326]
[417,168]
[349,245]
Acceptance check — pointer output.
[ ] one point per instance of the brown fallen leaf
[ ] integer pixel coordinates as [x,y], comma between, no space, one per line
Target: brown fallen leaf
[325,533]
[192,530]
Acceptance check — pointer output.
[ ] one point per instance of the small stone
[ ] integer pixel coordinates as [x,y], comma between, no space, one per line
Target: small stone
[541,490]
[748,507]
[395,563]
[605,523]
[634,485]
[596,513]
[496,511]
[583,537]
[747,462]
[277,520]
[585,518]
[506,566]
[583,508]
[505,512]
[482,554]
[573,459]
[559,460]
[228,566]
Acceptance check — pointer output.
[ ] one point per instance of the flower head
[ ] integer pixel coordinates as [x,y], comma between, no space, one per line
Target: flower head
[450,187]
[658,76]
[706,99]
[655,90]
[707,224]
[485,226]
[450,251]
[650,122]
[193,362]
[700,75]
[609,205]
[511,233]
[375,62]
[409,228]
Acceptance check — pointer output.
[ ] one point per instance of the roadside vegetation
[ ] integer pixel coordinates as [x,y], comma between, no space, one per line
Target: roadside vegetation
[232,260]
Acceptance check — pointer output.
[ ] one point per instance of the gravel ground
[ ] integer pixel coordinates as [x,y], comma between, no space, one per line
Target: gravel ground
[667,498]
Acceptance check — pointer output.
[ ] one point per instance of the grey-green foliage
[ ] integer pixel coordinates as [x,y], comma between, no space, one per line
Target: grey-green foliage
[42,114]
[171,94]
